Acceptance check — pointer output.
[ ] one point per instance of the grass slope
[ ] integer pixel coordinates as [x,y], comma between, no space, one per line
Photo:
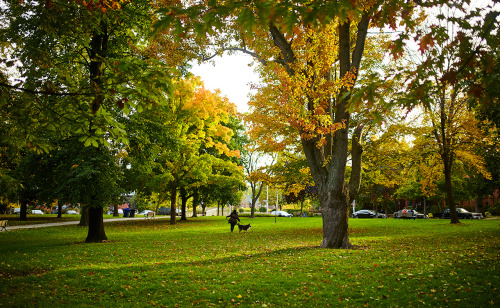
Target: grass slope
[200,263]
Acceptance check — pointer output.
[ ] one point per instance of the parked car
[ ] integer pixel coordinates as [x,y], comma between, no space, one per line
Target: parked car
[462,214]
[145,212]
[281,214]
[71,212]
[17,210]
[408,214]
[420,215]
[37,212]
[364,214]
[381,215]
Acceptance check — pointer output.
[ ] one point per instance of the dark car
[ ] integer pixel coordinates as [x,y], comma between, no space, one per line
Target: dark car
[364,214]
[462,214]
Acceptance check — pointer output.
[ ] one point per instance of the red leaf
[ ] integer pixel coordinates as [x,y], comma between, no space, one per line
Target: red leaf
[426,42]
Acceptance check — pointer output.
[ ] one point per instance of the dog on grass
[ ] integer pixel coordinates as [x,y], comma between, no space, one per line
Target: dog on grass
[244,227]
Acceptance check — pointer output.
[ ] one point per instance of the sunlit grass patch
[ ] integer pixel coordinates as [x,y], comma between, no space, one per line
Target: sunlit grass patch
[200,263]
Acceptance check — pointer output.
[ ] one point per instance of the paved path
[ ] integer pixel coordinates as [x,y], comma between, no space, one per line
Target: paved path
[75,222]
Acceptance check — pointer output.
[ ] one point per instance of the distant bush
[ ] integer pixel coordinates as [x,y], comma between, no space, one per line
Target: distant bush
[494,210]
[262,209]
[241,210]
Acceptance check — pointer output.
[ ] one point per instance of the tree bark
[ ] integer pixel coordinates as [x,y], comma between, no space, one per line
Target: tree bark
[450,198]
[98,52]
[255,197]
[59,209]
[328,171]
[184,199]
[478,205]
[84,218]
[23,210]
[96,232]
[173,200]
[195,203]
[335,211]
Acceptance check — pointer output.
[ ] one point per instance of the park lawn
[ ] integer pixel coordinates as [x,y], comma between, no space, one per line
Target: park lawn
[199,263]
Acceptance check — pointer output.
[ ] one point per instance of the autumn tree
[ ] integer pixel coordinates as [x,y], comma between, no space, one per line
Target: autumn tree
[384,161]
[170,145]
[441,83]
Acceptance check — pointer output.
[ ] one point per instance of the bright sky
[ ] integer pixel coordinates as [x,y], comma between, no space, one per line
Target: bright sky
[232,75]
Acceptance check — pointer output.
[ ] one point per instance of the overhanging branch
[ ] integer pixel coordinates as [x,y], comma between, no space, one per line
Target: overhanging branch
[6,85]
[243,50]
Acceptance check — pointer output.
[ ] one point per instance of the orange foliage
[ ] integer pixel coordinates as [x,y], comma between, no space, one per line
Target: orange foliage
[102,5]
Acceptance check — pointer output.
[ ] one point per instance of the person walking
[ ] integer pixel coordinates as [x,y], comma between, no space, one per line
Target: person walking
[233,219]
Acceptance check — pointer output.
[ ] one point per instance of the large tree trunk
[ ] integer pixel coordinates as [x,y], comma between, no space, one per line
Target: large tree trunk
[328,163]
[335,211]
[96,232]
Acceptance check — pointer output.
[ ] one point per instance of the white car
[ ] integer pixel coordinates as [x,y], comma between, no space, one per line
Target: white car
[120,212]
[145,212]
[281,214]
[71,212]
[37,212]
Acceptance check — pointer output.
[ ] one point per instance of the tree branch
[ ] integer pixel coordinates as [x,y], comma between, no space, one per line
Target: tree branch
[285,48]
[356,155]
[6,85]
[243,50]
[357,54]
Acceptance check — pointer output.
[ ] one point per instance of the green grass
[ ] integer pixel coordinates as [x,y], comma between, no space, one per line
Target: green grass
[199,263]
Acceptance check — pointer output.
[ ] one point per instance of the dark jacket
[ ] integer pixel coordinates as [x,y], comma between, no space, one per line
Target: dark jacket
[233,218]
